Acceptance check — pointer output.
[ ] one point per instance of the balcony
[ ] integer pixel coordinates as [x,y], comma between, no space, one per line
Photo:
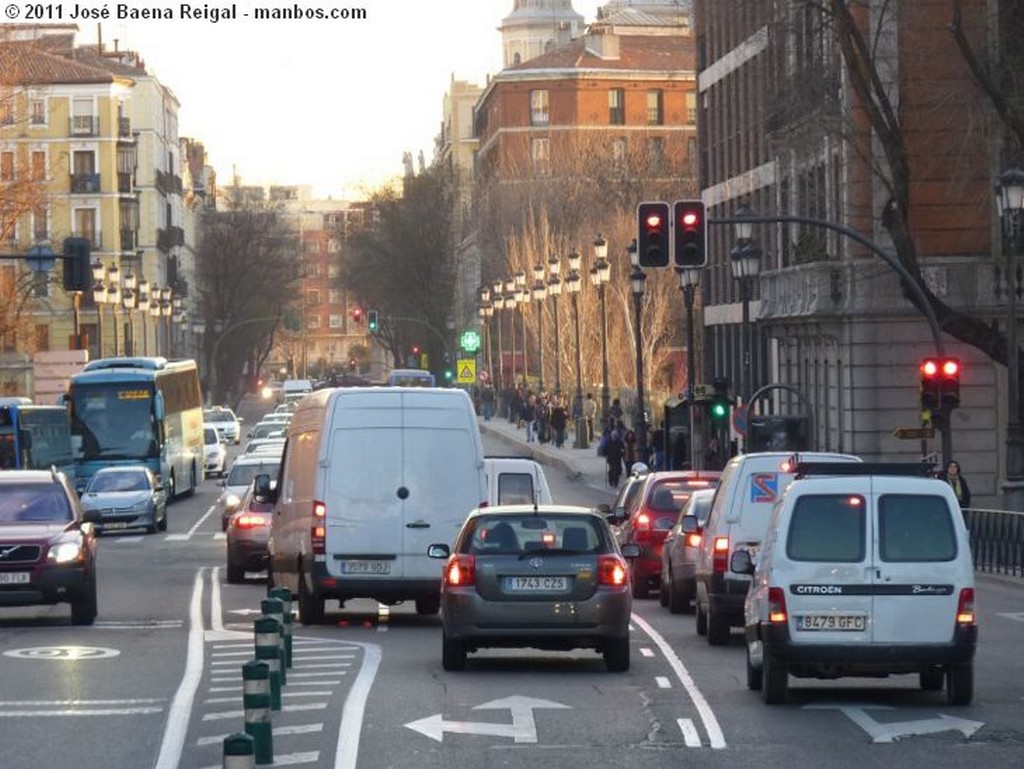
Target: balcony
[85,125]
[124,129]
[129,240]
[85,183]
[125,183]
[166,239]
[168,184]
[95,239]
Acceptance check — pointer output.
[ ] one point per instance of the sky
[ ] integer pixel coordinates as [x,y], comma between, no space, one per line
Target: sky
[328,103]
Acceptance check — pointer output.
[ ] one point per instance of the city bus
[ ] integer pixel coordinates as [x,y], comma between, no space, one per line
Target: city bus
[138,411]
[35,437]
[411,377]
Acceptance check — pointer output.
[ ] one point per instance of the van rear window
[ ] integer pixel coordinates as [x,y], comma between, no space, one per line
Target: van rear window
[828,528]
[515,489]
[915,527]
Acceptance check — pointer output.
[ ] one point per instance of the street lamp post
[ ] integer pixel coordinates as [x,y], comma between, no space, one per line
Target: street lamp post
[99,298]
[689,279]
[637,284]
[486,311]
[498,300]
[510,305]
[745,259]
[522,299]
[114,300]
[169,307]
[600,273]
[540,293]
[128,299]
[554,290]
[573,283]
[144,305]
[1010,204]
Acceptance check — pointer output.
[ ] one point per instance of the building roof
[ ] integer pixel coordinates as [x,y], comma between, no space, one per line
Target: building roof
[32,63]
[636,52]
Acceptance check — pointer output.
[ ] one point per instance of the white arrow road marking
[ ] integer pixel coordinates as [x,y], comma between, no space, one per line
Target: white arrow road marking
[522,729]
[890,732]
[1014,615]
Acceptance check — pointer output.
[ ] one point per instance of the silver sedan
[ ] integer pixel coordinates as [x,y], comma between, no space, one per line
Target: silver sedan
[126,496]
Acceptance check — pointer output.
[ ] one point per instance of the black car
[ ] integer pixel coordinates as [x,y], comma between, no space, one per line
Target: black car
[47,544]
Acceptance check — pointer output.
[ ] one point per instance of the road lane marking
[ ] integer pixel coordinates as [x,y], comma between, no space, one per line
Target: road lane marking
[1014,615]
[645,652]
[305,658]
[707,715]
[690,736]
[226,714]
[328,665]
[75,712]
[662,682]
[347,750]
[322,682]
[152,624]
[70,703]
[290,759]
[318,676]
[136,538]
[278,731]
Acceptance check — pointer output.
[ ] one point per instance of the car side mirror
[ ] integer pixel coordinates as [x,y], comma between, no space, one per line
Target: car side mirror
[604,509]
[690,524]
[741,562]
[263,489]
[631,550]
[438,551]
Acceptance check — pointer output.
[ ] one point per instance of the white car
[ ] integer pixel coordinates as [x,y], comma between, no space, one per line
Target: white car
[215,456]
[223,419]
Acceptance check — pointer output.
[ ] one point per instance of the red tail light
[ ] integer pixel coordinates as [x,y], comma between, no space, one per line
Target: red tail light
[720,555]
[965,610]
[460,571]
[643,521]
[318,538]
[776,605]
[693,540]
[249,521]
[612,571]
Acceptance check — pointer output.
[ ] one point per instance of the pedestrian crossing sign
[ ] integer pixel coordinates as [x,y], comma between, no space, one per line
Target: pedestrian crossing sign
[467,371]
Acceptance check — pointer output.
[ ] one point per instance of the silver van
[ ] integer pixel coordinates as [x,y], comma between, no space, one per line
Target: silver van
[369,478]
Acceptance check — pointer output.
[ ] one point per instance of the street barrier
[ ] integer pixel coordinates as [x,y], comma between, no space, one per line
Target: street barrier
[997,541]
[272,607]
[256,701]
[284,595]
[239,752]
[268,650]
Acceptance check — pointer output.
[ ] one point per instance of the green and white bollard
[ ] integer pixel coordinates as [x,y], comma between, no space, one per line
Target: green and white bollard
[272,607]
[239,752]
[284,595]
[256,701]
[268,650]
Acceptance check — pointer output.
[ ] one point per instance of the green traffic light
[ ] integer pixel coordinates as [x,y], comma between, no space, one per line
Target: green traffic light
[719,410]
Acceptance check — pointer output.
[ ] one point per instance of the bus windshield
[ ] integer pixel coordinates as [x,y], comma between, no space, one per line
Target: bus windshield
[51,436]
[115,420]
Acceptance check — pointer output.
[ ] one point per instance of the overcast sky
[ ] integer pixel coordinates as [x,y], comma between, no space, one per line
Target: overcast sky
[329,103]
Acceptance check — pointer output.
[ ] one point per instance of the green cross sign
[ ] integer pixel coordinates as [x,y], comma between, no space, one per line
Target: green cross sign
[470,341]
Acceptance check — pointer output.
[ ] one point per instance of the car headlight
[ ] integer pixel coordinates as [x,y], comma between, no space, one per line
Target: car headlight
[231,502]
[66,552]
[267,393]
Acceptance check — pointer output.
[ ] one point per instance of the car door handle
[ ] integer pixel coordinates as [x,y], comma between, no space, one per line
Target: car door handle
[417,525]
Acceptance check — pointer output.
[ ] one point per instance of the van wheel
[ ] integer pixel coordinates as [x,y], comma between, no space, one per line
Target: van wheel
[428,604]
[775,681]
[755,676]
[932,680]
[616,654]
[235,573]
[702,619]
[960,684]
[311,607]
[453,653]
[718,629]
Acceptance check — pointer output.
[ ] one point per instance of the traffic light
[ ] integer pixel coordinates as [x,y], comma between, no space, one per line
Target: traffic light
[77,270]
[940,384]
[949,383]
[691,228]
[720,402]
[931,392]
[357,314]
[652,240]
[371,321]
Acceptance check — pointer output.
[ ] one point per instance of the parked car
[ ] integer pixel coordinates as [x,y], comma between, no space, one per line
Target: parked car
[679,553]
[228,426]
[515,570]
[627,492]
[864,570]
[126,496]
[649,516]
[247,534]
[215,456]
[240,476]
[48,544]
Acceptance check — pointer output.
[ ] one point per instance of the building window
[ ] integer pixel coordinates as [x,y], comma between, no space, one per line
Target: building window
[616,106]
[655,114]
[37,111]
[334,296]
[42,337]
[312,298]
[6,166]
[333,271]
[540,155]
[313,321]
[39,165]
[335,321]
[691,108]
[539,108]
[85,225]
[40,224]
[6,112]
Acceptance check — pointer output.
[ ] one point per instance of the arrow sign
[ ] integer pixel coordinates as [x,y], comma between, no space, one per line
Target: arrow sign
[890,732]
[522,729]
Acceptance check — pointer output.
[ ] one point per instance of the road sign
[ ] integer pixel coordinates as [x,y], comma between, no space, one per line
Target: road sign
[913,433]
[740,420]
[467,371]
[702,391]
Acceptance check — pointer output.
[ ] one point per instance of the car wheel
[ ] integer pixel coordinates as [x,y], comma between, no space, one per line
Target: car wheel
[755,676]
[428,604]
[453,653]
[718,629]
[311,607]
[663,589]
[616,654]
[701,619]
[775,681]
[678,599]
[960,684]
[236,573]
[83,608]
[932,680]
[638,587]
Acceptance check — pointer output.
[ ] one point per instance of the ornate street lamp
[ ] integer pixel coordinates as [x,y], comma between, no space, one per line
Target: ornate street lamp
[99,298]
[510,304]
[637,284]
[169,306]
[498,300]
[1010,205]
[689,279]
[114,300]
[554,290]
[600,274]
[128,301]
[144,305]
[540,293]
[522,298]
[745,259]
[573,283]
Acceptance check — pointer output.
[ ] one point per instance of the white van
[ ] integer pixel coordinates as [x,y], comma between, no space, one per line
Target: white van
[295,389]
[865,570]
[750,486]
[369,479]
[516,481]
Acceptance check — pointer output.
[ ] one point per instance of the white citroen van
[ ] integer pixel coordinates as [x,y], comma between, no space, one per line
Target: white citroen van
[516,481]
[369,478]
[865,570]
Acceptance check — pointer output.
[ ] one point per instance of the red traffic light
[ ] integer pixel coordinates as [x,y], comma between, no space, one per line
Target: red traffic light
[653,221]
[690,219]
[951,367]
[653,244]
[690,241]
[929,367]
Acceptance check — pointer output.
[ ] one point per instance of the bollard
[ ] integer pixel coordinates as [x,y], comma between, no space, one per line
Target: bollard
[238,751]
[284,595]
[268,650]
[272,607]
[256,701]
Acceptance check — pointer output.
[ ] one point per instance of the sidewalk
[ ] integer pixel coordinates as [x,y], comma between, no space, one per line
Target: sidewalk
[581,464]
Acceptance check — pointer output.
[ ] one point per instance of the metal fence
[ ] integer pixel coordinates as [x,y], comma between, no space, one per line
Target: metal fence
[997,541]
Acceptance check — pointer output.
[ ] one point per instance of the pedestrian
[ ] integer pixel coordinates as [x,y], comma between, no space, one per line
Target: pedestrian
[629,453]
[713,455]
[527,414]
[954,478]
[657,448]
[613,453]
[559,421]
[615,410]
[589,413]
[487,402]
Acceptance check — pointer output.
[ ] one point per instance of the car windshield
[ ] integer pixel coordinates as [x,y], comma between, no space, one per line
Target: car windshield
[118,481]
[20,503]
[242,475]
[209,435]
[533,532]
[219,416]
[265,431]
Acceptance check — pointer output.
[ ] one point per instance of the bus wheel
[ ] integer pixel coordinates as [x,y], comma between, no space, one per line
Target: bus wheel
[172,487]
[192,485]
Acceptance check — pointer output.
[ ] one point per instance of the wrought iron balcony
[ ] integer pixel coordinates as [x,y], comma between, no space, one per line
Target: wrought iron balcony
[129,239]
[85,183]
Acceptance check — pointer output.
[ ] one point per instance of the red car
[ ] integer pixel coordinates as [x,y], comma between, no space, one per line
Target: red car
[649,516]
[248,534]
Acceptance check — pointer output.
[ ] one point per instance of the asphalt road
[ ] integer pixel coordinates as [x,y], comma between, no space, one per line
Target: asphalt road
[156,683]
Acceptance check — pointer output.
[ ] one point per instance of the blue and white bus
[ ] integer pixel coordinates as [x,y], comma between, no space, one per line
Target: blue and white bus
[35,437]
[139,411]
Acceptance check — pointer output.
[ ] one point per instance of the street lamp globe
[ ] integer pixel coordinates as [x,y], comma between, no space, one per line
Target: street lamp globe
[520,279]
[745,259]
[574,261]
[485,294]
[600,247]
[554,286]
[637,281]
[744,227]
[130,281]
[688,276]
[554,265]
[99,272]
[538,272]
[1011,191]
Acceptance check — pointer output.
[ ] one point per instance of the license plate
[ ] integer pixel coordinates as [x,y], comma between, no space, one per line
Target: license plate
[536,584]
[14,578]
[841,622]
[116,525]
[366,567]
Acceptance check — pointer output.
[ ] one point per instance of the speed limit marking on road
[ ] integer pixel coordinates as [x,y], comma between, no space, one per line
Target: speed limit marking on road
[62,653]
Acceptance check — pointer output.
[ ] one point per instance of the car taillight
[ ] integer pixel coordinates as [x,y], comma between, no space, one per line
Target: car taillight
[720,555]
[612,571]
[247,521]
[318,538]
[643,521]
[460,570]
[965,610]
[693,540]
[776,604]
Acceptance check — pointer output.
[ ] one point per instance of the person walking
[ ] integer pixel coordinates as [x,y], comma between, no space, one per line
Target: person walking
[589,414]
[954,478]
[559,420]
[613,456]
[487,402]
[527,415]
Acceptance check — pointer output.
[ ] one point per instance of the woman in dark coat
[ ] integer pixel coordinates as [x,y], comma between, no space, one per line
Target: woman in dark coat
[613,457]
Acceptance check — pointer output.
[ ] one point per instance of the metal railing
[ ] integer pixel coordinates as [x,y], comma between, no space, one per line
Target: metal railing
[997,541]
